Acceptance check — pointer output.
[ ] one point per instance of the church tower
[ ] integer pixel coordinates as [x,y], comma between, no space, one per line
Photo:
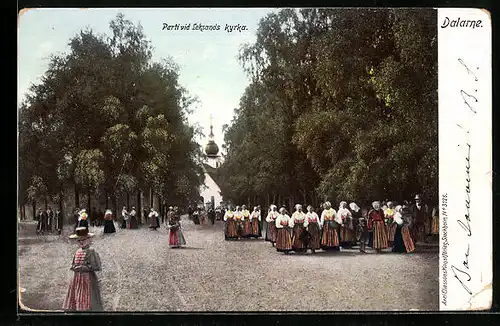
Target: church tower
[210,191]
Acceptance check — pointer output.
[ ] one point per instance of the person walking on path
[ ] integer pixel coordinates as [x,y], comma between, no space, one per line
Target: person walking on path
[132,224]
[330,224]
[376,223]
[311,223]
[176,237]
[84,293]
[299,230]
[271,224]
[153,219]
[109,224]
[255,223]
[124,218]
[284,225]
[402,238]
[230,226]
[58,221]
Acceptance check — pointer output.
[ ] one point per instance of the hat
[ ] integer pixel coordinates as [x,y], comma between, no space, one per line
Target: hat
[342,203]
[170,207]
[354,207]
[417,196]
[297,206]
[327,203]
[81,233]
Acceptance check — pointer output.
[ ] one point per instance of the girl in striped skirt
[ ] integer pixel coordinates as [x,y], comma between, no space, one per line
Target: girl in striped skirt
[402,238]
[255,223]
[271,224]
[376,223]
[347,232]
[330,223]
[311,223]
[83,292]
[176,238]
[389,222]
[284,225]
[246,223]
[299,230]
[231,229]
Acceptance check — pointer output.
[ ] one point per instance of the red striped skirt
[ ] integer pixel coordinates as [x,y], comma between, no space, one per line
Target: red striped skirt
[330,236]
[255,227]
[409,245]
[346,234]
[391,230]
[435,225]
[247,228]
[284,239]
[176,238]
[298,230]
[79,296]
[232,229]
[271,232]
[379,235]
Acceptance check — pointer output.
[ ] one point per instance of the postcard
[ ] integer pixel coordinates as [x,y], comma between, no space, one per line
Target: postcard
[254,160]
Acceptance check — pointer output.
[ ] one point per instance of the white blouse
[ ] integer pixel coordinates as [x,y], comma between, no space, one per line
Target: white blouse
[398,218]
[255,214]
[245,214]
[298,217]
[238,216]
[344,213]
[229,215]
[153,213]
[272,216]
[311,218]
[283,218]
[330,215]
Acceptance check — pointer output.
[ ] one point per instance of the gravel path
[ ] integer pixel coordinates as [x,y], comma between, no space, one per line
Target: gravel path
[141,273]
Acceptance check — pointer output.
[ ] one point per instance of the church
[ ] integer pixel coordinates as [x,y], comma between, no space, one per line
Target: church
[210,191]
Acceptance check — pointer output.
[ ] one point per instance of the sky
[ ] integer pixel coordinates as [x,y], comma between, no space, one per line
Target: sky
[209,68]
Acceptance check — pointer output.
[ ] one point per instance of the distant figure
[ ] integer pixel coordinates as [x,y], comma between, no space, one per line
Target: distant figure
[284,225]
[176,238]
[50,219]
[109,225]
[271,224]
[230,227]
[255,223]
[154,220]
[299,230]
[402,239]
[84,293]
[132,223]
[330,223]
[42,221]
[124,217]
[377,224]
[211,215]
[246,223]
[311,223]
[83,219]
[419,213]
[58,221]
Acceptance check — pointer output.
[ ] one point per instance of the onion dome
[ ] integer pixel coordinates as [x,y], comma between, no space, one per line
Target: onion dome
[211,149]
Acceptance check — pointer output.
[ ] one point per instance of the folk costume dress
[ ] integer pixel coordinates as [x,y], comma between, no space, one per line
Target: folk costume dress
[311,223]
[390,225]
[246,223]
[255,224]
[271,226]
[109,225]
[377,224]
[176,237]
[83,292]
[238,217]
[330,223]
[435,221]
[402,239]
[284,225]
[83,219]
[299,232]
[347,231]
[154,220]
[231,228]
[132,223]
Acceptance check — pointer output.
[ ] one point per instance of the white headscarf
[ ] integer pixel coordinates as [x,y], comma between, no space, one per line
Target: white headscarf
[398,218]
[354,207]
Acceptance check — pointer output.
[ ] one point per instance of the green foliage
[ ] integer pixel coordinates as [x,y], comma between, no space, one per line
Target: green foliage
[343,105]
[105,117]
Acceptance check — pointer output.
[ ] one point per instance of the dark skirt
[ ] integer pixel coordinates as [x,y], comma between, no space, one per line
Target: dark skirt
[109,226]
[391,231]
[271,232]
[154,223]
[255,223]
[402,240]
[132,223]
[299,237]
[83,223]
[284,239]
[314,237]
[329,237]
[347,235]
[124,224]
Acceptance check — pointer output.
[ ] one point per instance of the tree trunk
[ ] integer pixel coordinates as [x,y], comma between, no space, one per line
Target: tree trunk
[151,197]
[113,202]
[139,207]
[34,209]
[267,202]
[77,197]
[46,203]
[107,200]
[128,200]
[304,196]
[89,201]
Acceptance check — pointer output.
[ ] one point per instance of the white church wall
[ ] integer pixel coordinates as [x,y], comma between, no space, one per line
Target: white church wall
[210,189]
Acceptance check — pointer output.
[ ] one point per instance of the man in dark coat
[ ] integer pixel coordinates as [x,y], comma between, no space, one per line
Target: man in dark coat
[50,219]
[42,221]
[419,212]
[58,221]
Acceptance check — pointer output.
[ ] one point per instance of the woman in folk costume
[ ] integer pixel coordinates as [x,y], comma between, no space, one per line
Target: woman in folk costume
[311,223]
[154,221]
[376,223]
[299,230]
[389,213]
[347,232]
[83,292]
[83,219]
[124,218]
[231,228]
[330,223]
[435,221]
[402,237]
[271,224]
[132,223]
[109,225]
[284,225]
[246,223]
[360,217]
[238,217]
[255,223]
[176,237]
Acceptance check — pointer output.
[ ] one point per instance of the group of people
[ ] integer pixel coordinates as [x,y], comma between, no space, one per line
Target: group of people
[49,221]
[383,226]
[241,223]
